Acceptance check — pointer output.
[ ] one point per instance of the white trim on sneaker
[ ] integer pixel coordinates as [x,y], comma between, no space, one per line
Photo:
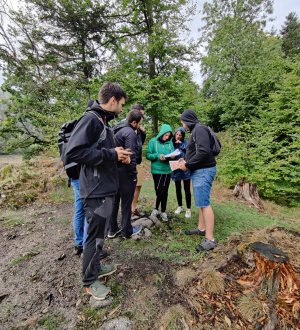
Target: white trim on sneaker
[178,210]
[164,217]
[188,213]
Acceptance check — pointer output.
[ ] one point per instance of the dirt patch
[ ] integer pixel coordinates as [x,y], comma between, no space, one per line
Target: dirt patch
[38,269]
[10,160]
[41,278]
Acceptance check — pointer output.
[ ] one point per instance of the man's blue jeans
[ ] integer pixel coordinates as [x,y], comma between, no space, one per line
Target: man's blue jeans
[79,221]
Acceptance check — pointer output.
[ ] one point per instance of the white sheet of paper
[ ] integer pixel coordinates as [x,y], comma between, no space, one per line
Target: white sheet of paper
[174,153]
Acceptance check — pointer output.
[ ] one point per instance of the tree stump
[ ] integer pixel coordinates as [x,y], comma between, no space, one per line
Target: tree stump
[247,192]
[275,282]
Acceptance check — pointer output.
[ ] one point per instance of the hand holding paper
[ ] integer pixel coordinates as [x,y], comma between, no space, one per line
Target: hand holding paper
[174,164]
[173,154]
[178,164]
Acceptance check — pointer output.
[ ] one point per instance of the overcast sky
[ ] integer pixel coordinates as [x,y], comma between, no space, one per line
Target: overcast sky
[281,9]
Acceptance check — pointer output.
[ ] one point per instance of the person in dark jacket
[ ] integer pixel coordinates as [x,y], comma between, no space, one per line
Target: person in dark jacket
[179,176]
[141,137]
[201,162]
[126,137]
[92,145]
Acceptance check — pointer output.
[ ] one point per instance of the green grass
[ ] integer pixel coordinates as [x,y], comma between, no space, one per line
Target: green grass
[25,257]
[61,194]
[52,322]
[235,217]
[11,222]
[171,244]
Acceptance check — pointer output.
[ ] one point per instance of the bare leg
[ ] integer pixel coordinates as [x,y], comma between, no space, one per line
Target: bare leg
[209,221]
[135,198]
[201,223]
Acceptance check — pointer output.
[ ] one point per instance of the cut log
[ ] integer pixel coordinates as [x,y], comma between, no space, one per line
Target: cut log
[247,192]
[273,279]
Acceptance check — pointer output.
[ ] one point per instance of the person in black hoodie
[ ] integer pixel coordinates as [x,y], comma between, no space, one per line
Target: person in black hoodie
[92,145]
[201,162]
[126,137]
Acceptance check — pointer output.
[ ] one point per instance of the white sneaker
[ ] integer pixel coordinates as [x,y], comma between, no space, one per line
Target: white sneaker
[164,217]
[188,213]
[154,213]
[178,210]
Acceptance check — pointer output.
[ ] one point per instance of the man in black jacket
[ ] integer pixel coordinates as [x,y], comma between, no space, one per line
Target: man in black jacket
[141,137]
[126,137]
[92,145]
[201,162]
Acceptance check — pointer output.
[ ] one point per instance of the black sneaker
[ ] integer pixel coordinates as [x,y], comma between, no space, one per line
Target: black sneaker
[206,245]
[114,234]
[78,250]
[195,231]
[103,254]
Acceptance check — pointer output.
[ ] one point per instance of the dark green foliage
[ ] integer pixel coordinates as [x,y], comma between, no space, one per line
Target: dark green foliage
[252,91]
[290,33]
[267,149]
[152,65]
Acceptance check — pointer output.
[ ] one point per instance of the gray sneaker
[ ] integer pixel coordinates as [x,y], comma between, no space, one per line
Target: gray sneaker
[206,245]
[164,217]
[98,290]
[107,270]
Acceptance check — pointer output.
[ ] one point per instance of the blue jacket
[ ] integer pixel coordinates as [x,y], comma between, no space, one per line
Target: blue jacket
[178,175]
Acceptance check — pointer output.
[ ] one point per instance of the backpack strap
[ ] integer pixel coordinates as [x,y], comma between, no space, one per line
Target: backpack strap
[95,114]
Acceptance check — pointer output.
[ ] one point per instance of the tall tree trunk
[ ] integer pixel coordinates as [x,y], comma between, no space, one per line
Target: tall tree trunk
[148,14]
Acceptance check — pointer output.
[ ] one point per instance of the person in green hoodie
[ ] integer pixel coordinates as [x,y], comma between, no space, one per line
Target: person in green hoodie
[158,147]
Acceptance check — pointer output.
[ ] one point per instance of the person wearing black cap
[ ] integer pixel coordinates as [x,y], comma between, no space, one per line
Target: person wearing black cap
[201,162]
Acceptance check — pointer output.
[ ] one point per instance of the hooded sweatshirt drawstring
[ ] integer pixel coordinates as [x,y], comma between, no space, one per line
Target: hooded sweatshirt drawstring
[164,180]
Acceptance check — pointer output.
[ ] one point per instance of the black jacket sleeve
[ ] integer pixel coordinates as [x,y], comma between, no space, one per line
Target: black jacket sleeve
[130,138]
[200,140]
[143,136]
[82,146]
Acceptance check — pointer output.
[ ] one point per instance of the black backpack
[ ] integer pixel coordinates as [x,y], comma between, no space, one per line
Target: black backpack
[215,143]
[72,169]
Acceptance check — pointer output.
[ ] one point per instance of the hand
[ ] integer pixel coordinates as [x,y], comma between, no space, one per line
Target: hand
[178,141]
[122,154]
[181,164]
[142,128]
[127,160]
[162,157]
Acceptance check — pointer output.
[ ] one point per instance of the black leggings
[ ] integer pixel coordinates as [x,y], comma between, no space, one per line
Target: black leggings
[161,186]
[187,190]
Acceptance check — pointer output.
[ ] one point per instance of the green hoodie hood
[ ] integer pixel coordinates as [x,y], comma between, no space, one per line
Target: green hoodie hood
[165,128]
[156,148]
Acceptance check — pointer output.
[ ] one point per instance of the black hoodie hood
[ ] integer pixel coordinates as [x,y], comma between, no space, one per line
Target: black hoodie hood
[189,117]
[95,106]
[121,124]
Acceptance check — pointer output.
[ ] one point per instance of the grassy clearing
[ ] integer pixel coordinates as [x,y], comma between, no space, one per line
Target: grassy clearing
[231,216]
